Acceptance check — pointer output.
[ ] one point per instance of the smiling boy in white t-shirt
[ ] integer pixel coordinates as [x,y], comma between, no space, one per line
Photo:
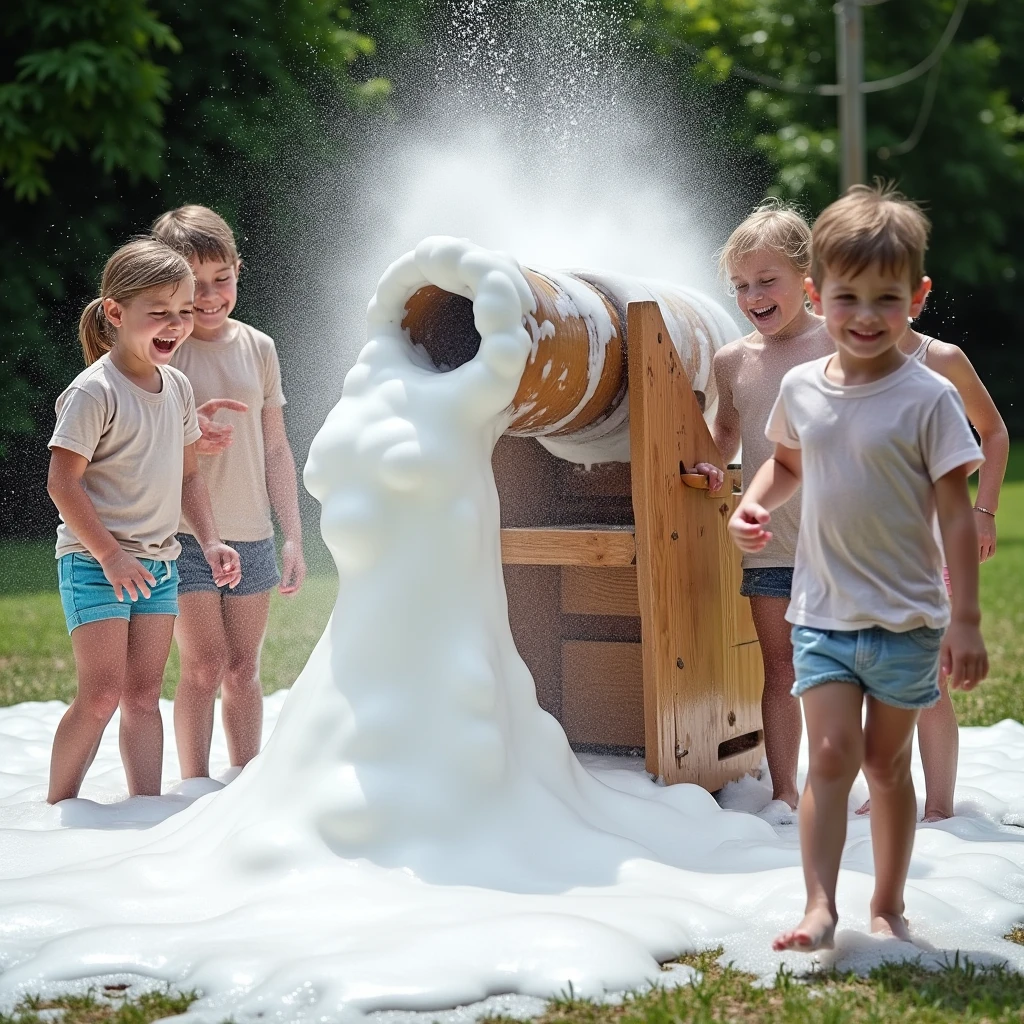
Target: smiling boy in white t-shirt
[880,445]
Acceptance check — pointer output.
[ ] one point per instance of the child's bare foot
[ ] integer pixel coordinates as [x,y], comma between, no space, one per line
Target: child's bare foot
[788,796]
[936,814]
[894,925]
[816,931]
[865,808]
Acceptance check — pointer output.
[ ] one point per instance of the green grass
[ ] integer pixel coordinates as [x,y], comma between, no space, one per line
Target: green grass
[36,661]
[111,1007]
[906,993]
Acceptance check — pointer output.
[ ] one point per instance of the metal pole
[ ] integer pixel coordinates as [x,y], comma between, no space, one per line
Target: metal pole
[850,47]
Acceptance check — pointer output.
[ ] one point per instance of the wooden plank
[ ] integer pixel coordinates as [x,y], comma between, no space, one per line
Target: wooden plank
[602,693]
[590,590]
[697,694]
[553,546]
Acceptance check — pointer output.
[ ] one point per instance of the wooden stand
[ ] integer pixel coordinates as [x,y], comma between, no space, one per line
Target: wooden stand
[623,584]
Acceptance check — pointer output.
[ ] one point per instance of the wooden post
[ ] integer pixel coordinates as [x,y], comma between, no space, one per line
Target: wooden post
[702,672]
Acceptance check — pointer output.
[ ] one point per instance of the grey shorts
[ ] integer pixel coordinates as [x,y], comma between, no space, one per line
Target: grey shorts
[259,567]
[773,581]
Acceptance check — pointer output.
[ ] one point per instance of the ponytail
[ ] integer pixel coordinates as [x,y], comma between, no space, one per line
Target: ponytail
[93,332]
[134,268]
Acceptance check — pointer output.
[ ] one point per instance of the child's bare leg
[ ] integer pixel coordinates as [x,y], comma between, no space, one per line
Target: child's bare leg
[142,730]
[100,655]
[780,711]
[888,737]
[836,745]
[245,622]
[199,630]
[939,737]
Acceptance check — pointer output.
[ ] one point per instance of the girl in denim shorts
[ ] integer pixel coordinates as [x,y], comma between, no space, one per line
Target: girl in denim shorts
[122,467]
[765,261]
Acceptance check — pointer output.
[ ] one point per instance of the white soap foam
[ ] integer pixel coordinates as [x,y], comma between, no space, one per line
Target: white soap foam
[417,833]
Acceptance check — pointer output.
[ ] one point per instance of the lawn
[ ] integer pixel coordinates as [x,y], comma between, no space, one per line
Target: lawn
[36,661]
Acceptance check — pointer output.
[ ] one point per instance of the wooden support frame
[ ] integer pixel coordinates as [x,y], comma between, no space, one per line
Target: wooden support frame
[702,675]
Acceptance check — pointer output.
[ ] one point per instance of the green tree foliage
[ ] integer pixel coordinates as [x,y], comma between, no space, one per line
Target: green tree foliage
[112,110]
[967,165]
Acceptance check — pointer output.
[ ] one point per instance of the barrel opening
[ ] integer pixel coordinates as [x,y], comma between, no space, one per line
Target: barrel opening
[442,323]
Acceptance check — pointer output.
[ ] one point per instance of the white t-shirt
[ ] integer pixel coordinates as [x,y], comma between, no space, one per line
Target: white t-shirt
[871,454]
[134,441]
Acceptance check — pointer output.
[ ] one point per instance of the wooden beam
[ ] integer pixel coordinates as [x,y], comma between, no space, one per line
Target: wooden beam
[568,546]
[599,590]
[701,692]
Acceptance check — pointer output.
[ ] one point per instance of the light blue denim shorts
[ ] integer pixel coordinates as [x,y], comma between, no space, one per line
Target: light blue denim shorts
[899,669]
[773,581]
[87,595]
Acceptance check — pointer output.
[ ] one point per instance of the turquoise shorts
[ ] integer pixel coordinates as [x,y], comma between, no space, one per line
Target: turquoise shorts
[899,669]
[87,595]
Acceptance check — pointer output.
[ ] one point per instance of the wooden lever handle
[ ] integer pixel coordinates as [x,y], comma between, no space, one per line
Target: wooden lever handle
[696,480]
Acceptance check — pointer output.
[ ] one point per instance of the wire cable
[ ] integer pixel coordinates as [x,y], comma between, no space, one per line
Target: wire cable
[883,84]
[879,85]
[923,114]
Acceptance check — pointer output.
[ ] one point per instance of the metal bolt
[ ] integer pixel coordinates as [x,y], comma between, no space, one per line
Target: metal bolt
[679,664]
[681,752]
[675,536]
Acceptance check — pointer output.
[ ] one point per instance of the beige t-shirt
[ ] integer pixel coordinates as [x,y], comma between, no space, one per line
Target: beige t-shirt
[134,442]
[753,370]
[871,454]
[244,366]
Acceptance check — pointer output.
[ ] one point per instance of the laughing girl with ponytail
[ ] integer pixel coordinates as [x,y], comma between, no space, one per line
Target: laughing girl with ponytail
[123,468]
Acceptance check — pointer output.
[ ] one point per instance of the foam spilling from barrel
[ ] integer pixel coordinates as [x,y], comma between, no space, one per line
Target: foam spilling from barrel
[417,833]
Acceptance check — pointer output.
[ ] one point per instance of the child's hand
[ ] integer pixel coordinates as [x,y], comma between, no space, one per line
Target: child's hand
[716,477]
[293,567]
[216,436]
[963,658]
[986,535]
[125,573]
[747,526]
[224,563]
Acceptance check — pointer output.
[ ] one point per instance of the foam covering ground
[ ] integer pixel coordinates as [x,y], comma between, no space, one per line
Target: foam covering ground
[417,834]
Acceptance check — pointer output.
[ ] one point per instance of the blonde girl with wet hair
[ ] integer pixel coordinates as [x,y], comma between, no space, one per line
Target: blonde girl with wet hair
[249,469]
[122,468]
[765,261]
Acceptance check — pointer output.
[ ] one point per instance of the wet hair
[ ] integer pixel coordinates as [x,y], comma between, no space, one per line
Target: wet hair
[773,225]
[870,225]
[136,267]
[197,233]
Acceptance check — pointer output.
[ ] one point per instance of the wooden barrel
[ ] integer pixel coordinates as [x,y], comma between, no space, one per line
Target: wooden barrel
[574,387]
[576,372]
